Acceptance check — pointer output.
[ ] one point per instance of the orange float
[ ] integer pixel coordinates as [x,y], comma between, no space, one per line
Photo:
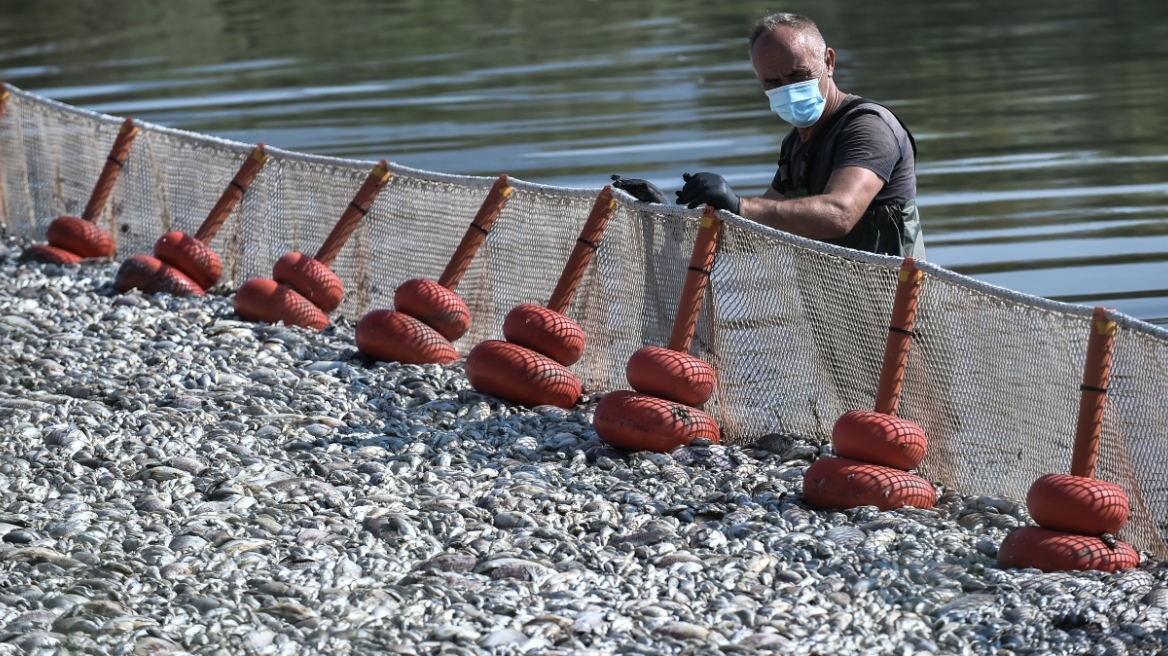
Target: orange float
[414,342]
[639,422]
[832,483]
[1052,551]
[643,421]
[671,375]
[184,265]
[879,439]
[300,280]
[878,448]
[382,335]
[72,239]
[145,272]
[1074,511]
[434,305]
[531,367]
[523,375]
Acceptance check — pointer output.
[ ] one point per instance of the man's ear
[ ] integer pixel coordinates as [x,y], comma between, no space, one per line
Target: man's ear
[829,61]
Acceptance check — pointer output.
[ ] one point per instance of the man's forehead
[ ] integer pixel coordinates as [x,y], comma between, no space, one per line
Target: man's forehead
[784,41]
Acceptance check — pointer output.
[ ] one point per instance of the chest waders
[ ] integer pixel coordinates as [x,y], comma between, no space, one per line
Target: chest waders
[890,229]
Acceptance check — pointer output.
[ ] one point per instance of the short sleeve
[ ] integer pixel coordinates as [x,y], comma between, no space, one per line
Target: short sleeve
[869,142]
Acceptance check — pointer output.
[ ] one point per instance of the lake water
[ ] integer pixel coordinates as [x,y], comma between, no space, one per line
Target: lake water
[1043,161]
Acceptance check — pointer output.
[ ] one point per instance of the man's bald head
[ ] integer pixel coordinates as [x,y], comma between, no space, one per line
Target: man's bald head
[790,26]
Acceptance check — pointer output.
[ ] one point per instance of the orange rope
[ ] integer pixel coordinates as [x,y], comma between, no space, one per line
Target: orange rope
[694,289]
[586,245]
[1096,377]
[904,317]
[109,173]
[231,195]
[476,233]
[353,214]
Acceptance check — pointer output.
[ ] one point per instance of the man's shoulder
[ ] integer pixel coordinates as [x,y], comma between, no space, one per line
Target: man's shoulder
[870,114]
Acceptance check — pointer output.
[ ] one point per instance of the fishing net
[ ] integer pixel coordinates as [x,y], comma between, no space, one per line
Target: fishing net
[795,328]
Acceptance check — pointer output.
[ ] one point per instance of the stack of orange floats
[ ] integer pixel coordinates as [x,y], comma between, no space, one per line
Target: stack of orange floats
[878,448]
[670,383]
[303,290]
[71,238]
[1075,512]
[184,265]
[531,367]
[428,316]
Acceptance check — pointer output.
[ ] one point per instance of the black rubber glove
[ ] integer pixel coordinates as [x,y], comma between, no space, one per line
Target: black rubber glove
[708,189]
[642,190]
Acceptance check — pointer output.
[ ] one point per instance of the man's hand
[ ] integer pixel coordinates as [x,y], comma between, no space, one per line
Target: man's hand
[642,190]
[708,189]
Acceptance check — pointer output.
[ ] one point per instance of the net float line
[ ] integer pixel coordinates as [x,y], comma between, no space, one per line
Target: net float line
[72,239]
[184,265]
[642,420]
[428,316]
[303,290]
[1077,513]
[531,367]
[877,449]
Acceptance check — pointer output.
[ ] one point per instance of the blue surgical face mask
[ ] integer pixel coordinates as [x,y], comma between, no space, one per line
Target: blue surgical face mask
[799,104]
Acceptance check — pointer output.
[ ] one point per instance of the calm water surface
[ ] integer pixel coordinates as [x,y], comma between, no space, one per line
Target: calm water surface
[1043,159]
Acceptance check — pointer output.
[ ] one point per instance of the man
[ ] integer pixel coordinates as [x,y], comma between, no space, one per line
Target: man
[847,171]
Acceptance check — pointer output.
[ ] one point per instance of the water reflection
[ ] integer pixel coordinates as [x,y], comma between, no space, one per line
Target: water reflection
[1042,166]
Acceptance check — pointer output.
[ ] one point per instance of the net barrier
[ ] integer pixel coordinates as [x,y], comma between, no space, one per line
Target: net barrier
[795,328]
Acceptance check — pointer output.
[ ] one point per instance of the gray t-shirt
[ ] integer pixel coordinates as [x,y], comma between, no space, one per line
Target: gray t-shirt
[875,140]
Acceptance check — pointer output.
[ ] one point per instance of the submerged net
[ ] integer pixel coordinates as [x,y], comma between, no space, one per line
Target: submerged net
[795,328]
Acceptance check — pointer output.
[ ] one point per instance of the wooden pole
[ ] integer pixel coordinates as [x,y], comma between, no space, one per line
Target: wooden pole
[694,289]
[109,173]
[1093,398]
[586,245]
[353,214]
[900,333]
[231,195]
[477,232]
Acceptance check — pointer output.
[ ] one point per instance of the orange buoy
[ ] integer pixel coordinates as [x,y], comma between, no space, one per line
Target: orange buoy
[531,367]
[414,342]
[545,331]
[149,273]
[1075,504]
[311,279]
[841,483]
[640,422]
[263,299]
[1053,551]
[192,256]
[433,305]
[46,254]
[1072,510]
[301,280]
[671,375]
[76,235]
[879,439]
[81,236]
[521,375]
[876,448]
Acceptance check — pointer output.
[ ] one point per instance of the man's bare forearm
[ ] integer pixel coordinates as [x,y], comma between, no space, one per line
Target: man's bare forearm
[814,217]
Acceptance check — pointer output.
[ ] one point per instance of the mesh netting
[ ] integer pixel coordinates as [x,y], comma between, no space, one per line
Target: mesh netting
[795,328]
